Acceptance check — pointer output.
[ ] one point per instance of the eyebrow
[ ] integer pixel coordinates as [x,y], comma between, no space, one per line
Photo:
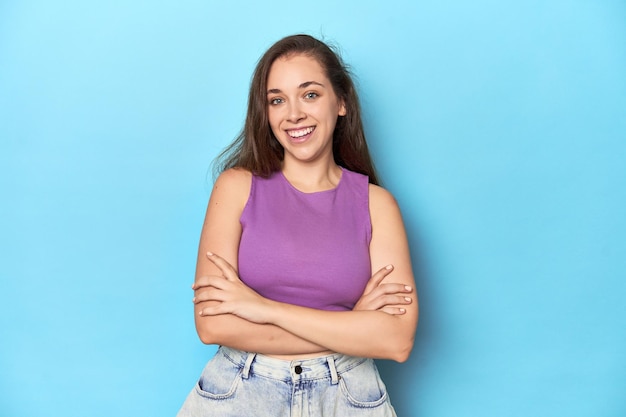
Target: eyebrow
[301,86]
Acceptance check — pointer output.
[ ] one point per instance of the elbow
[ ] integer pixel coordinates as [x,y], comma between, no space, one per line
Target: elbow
[402,347]
[398,349]
[403,344]
[205,337]
[218,330]
[210,329]
[212,338]
[206,332]
[403,352]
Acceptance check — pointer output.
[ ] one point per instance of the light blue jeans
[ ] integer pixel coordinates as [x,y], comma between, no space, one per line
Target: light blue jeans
[241,384]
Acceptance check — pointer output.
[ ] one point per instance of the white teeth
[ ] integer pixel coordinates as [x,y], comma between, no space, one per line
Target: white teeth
[301,132]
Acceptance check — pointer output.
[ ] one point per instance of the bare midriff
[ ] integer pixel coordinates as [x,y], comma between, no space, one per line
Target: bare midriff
[302,356]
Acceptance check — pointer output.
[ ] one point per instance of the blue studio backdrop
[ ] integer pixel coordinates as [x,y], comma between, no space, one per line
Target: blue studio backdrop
[500,127]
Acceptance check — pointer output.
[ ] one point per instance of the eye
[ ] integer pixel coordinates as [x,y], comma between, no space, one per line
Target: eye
[311,95]
[276,100]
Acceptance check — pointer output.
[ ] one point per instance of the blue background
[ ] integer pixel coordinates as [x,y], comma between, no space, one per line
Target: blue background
[500,126]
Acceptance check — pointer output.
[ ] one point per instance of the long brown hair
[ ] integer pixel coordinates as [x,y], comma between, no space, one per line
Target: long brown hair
[257,150]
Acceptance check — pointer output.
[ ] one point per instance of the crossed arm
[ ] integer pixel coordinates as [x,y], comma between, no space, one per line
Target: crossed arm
[382,324]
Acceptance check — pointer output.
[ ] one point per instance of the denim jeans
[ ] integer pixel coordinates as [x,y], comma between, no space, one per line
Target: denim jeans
[241,384]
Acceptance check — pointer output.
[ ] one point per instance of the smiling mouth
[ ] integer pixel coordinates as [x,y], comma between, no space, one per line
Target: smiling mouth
[298,133]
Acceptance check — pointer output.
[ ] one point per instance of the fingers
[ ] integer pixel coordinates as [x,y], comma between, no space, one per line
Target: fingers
[381,295]
[208,294]
[213,310]
[226,268]
[379,303]
[392,288]
[394,311]
[377,278]
[210,288]
[207,281]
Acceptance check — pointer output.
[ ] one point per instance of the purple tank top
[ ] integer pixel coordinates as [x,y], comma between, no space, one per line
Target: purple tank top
[308,249]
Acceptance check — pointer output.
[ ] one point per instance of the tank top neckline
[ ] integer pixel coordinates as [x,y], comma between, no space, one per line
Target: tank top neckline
[330,190]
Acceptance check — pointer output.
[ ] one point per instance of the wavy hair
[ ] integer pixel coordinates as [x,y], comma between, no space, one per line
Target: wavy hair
[257,150]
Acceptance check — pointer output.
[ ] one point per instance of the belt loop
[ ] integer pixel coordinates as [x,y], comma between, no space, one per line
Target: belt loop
[333,370]
[247,365]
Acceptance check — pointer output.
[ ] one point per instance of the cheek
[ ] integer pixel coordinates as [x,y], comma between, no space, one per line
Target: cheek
[331,117]
[274,123]
[273,117]
[329,113]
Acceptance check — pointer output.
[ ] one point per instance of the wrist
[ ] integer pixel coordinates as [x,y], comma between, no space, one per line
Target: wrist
[276,311]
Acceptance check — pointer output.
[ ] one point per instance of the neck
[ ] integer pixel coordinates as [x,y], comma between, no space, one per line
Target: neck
[312,177]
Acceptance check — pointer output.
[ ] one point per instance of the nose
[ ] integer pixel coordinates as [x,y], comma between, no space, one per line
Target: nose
[295,112]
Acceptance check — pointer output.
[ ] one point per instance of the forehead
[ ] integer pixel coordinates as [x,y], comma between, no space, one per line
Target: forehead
[293,70]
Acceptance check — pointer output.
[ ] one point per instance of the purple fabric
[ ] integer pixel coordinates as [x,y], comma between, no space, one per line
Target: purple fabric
[308,249]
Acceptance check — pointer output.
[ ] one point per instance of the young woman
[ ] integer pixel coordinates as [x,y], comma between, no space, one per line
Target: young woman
[295,226]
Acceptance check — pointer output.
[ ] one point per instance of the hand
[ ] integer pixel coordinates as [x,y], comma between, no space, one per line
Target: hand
[232,295]
[384,297]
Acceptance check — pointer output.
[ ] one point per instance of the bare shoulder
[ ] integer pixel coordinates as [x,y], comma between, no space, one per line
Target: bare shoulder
[381,200]
[232,185]
[221,231]
[234,177]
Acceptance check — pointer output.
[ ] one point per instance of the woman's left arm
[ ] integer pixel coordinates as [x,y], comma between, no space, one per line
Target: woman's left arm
[374,334]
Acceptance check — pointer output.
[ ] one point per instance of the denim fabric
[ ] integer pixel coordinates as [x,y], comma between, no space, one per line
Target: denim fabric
[241,384]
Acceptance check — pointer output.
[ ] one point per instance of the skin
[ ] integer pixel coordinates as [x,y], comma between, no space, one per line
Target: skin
[302,111]
[300,97]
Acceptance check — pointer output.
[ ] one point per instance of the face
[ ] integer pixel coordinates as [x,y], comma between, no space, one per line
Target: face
[302,108]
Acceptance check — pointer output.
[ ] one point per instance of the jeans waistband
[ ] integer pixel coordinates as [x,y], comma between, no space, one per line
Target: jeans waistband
[322,367]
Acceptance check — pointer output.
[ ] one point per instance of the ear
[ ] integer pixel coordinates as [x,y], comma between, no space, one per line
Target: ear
[342,109]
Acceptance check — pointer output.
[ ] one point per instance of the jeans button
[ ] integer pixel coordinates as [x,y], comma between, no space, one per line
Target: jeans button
[298,369]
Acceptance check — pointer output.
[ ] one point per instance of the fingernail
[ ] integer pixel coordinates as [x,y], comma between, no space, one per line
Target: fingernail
[389,267]
[194,299]
[406,298]
[406,287]
[402,310]
[193,286]
[209,254]
[200,313]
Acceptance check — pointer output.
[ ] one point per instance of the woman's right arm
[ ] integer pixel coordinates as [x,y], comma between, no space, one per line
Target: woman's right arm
[221,234]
